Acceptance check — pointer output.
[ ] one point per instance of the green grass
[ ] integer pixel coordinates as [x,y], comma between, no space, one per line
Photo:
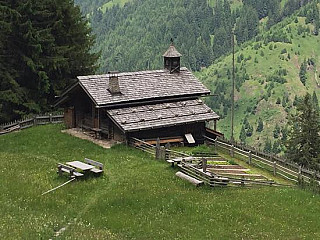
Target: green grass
[137,198]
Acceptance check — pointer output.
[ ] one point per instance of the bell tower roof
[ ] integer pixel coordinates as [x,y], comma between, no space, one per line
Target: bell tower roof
[172,52]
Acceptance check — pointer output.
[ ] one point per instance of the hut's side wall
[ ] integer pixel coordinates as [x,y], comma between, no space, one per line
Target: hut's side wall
[196,129]
[78,110]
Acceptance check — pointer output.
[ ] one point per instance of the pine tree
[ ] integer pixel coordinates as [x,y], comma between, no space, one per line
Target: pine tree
[315,101]
[44,45]
[302,72]
[276,148]
[249,131]
[276,131]
[303,144]
[268,146]
[260,125]
[243,135]
[8,86]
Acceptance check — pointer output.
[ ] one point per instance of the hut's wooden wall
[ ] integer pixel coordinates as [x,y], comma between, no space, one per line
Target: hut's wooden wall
[78,111]
[196,129]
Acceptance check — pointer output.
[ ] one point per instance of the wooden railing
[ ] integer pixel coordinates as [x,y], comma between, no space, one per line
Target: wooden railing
[144,146]
[159,152]
[277,165]
[31,121]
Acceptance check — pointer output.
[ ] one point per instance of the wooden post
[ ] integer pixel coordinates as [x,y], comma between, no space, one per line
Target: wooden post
[158,148]
[162,153]
[204,165]
[274,168]
[167,149]
[215,125]
[300,175]
[50,118]
[232,151]
[250,157]
[34,121]
[215,145]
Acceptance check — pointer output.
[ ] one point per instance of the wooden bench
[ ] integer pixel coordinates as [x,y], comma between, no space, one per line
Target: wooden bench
[67,169]
[98,166]
[97,132]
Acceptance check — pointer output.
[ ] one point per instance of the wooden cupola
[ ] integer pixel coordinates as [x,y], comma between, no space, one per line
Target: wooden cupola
[172,59]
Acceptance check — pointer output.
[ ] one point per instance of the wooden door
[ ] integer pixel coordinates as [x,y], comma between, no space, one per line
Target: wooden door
[69,117]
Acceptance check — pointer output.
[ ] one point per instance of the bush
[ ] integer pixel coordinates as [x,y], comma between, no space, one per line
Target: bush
[283,51]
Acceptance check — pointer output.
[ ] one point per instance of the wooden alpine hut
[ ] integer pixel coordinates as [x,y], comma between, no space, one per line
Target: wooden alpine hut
[146,104]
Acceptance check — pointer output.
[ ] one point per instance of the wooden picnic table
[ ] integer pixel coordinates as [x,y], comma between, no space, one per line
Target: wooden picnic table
[80,165]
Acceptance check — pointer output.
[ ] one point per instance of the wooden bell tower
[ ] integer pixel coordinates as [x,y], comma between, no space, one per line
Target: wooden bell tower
[172,59]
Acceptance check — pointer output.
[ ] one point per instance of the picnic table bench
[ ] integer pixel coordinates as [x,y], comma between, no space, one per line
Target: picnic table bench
[97,166]
[67,169]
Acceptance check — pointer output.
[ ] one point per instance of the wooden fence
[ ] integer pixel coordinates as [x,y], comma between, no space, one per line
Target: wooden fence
[214,180]
[193,165]
[159,152]
[144,146]
[31,121]
[277,165]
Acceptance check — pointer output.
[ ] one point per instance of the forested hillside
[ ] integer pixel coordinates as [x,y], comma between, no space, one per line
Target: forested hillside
[133,34]
[273,73]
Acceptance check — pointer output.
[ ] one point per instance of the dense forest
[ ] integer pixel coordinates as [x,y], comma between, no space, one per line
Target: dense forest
[44,45]
[134,36]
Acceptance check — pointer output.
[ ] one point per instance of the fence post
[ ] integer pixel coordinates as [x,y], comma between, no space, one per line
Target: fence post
[231,151]
[50,118]
[204,165]
[215,146]
[250,157]
[300,175]
[34,121]
[274,168]
[167,149]
[162,153]
[158,148]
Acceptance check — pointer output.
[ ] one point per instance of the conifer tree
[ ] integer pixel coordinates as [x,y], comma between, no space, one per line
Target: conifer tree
[243,135]
[260,125]
[268,146]
[303,72]
[303,144]
[44,46]
[276,131]
[315,101]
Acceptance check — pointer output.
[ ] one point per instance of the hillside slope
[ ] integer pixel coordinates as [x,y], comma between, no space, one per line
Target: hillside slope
[136,198]
[268,83]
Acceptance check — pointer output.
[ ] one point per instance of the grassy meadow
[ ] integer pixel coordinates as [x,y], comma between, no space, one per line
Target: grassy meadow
[137,197]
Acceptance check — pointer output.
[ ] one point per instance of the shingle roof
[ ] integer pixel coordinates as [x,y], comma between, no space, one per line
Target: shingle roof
[172,52]
[161,115]
[143,85]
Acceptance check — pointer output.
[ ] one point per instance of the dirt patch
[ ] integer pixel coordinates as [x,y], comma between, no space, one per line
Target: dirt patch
[87,135]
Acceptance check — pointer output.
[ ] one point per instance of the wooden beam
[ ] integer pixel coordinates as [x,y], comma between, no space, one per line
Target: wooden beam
[192,180]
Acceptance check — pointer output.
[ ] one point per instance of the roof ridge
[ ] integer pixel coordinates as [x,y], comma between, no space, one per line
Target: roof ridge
[130,73]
